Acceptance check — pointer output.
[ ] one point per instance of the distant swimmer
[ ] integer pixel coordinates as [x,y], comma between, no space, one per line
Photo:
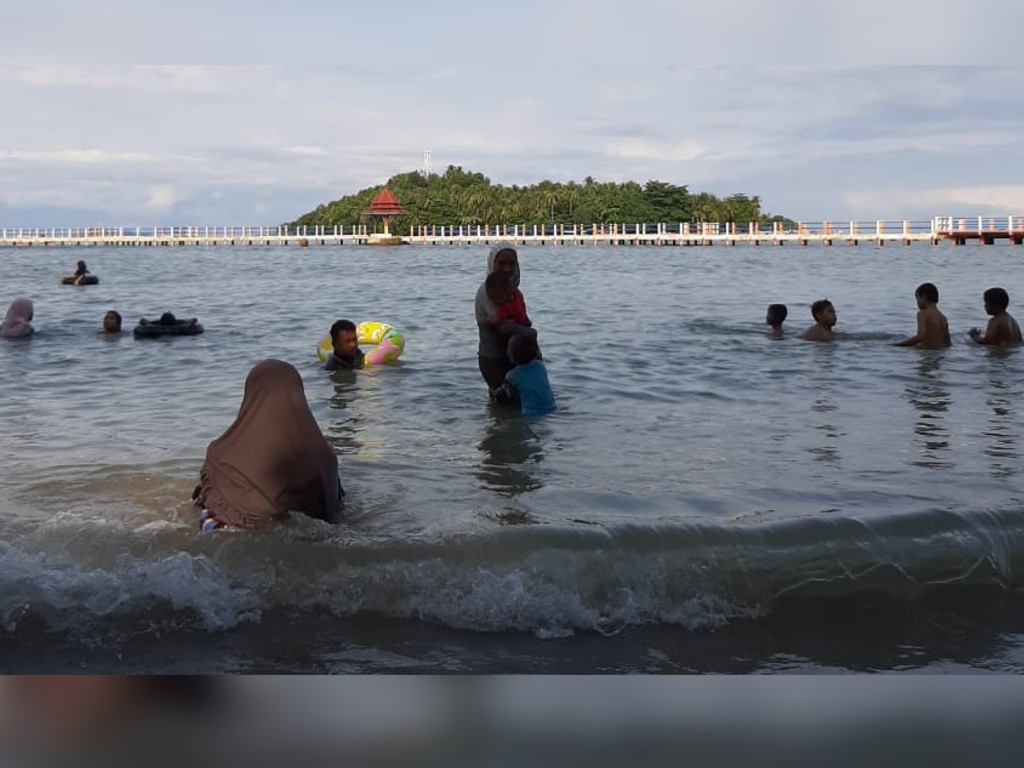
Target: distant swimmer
[112,322]
[1002,329]
[777,314]
[932,328]
[80,272]
[19,319]
[824,315]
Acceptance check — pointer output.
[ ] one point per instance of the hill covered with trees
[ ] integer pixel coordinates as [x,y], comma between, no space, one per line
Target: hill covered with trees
[458,197]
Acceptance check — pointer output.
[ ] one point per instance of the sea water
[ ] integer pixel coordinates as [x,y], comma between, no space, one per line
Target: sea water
[705,498]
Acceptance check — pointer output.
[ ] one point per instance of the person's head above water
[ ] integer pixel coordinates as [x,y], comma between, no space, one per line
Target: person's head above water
[777,313]
[522,348]
[996,300]
[82,269]
[19,319]
[112,322]
[343,338]
[823,312]
[168,318]
[925,294]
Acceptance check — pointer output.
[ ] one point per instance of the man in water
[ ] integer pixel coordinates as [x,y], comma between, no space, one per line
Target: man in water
[347,355]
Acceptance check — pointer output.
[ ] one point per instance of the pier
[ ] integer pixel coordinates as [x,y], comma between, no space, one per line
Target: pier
[954,229]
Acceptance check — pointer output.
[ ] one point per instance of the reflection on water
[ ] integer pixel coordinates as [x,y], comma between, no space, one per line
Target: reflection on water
[511,450]
[930,395]
[824,406]
[343,428]
[1002,392]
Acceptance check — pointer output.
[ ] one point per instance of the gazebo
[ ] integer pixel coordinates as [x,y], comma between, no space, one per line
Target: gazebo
[385,205]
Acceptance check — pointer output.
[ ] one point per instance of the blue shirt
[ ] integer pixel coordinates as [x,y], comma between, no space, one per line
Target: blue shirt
[530,382]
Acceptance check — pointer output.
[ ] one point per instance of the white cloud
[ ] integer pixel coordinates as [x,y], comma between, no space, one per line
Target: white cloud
[991,200]
[300,149]
[216,141]
[674,152]
[161,199]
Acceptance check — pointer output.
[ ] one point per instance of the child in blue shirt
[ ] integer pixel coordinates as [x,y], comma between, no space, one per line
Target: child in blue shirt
[527,384]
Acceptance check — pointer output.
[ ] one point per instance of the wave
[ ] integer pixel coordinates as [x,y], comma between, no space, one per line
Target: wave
[546,580]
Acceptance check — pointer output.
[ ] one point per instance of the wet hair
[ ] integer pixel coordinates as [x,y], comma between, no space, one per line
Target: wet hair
[522,348]
[819,306]
[998,298]
[497,281]
[168,318]
[928,291]
[777,313]
[339,326]
[116,315]
[82,268]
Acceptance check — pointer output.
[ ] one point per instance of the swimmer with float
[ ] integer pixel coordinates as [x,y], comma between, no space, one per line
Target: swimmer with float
[340,350]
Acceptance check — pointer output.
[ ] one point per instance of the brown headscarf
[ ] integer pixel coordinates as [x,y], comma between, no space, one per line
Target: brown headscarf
[273,459]
[19,319]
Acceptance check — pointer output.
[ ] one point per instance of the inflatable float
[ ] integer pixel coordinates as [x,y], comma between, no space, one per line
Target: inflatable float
[86,280]
[153,329]
[387,343]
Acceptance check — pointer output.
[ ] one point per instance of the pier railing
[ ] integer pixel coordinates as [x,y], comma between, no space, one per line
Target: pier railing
[956,229]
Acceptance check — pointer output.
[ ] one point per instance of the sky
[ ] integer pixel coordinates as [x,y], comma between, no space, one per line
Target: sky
[825,111]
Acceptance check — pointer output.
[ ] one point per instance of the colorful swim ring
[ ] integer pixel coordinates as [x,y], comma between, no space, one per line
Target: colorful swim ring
[387,341]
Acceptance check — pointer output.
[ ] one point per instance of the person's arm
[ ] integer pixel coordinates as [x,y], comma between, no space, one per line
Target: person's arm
[511,327]
[992,335]
[918,337]
[506,394]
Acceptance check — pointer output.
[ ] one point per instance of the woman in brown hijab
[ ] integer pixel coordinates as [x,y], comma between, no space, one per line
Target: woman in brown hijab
[272,460]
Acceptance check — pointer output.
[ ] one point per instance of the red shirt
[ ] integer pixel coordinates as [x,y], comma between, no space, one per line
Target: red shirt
[514,310]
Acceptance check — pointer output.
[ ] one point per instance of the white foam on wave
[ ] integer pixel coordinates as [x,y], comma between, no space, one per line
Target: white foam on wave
[65,594]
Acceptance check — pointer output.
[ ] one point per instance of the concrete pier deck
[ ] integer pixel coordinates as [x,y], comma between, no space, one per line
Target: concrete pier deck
[957,230]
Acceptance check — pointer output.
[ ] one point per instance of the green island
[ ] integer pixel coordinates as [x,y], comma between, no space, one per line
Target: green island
[459,197]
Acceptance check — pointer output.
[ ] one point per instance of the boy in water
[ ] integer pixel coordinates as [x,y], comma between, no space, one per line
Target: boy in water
[1002,328]
[112,322]
[527,384]
[824,315]
[932,328]
[347,355]
[776,316]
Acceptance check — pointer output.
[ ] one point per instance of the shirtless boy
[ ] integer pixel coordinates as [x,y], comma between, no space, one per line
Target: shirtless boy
[824,319]
[932,328]
[1002,328]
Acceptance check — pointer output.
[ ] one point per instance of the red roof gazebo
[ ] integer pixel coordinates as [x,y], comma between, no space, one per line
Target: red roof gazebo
[385,205]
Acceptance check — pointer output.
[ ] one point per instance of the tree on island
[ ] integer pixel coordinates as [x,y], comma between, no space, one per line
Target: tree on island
[457,197]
